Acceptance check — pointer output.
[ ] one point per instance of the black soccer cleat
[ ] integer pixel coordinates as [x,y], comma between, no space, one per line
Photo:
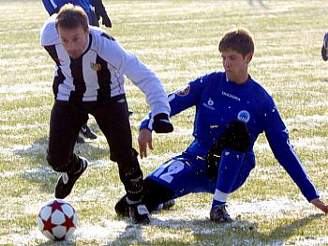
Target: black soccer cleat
[219,214]
[67,180]
[122,207]
[139,214]
[87,132]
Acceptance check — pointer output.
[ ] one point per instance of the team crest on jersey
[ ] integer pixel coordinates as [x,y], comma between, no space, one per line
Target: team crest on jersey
[209,104]
[95,66]
[183,92]
[244,116]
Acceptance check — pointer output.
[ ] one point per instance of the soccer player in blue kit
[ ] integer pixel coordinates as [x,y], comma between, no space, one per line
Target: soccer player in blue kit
[232,109]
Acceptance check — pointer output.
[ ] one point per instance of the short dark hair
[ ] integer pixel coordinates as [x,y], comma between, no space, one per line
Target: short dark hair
[71,16]
[239,40]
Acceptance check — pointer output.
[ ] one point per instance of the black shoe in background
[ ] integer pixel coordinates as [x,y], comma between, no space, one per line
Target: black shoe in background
[87,132]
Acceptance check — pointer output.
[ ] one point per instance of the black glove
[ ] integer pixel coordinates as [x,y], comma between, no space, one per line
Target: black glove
[106,21]
[162,123]
[235,136]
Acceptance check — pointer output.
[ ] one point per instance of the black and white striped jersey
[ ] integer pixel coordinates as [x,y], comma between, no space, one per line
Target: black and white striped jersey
[99,73]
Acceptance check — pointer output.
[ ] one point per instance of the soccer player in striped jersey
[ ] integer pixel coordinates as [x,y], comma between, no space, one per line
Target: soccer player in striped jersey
[89,79]
[232,109]
[94,10]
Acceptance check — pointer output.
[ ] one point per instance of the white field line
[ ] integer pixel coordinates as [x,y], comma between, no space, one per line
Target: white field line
[111,230]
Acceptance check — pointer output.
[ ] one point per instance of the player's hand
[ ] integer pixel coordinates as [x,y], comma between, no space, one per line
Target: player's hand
[106,21]
[320,205]
[145,140]
[162,123]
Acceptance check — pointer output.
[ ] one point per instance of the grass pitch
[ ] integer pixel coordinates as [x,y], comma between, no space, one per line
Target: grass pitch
[178,40]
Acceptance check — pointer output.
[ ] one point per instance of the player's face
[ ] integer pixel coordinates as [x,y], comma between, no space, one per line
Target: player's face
[235,65]
[74,41]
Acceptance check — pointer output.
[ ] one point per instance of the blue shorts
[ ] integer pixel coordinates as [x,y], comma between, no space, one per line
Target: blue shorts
[184,174]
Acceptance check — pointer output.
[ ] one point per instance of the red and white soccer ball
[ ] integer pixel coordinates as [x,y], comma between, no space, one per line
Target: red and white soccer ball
[57,220]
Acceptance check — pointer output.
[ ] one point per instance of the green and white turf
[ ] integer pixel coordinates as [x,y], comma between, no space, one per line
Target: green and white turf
[178,40]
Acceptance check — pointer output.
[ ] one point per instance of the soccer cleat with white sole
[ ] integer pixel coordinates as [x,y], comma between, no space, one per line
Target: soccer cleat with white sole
[67,180]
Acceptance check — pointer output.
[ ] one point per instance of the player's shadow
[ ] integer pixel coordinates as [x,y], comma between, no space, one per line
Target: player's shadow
[292,229]
[132,233]
[40,172]
[243,229]
[203,228]
[247,230]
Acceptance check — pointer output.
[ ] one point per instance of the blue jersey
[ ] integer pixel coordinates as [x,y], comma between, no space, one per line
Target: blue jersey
[53,6]
[218,102]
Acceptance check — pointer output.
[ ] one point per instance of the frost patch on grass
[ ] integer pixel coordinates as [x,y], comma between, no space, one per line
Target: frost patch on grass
[313,143]
[272,208]
[30,149]
[22,127]
[312,241]
[35,172]
[279,207]
[21,239]
[42,172]
[93,194]
[301,119]
[191,218]
[10,98]
[23,88]
[109,230]
[6,151]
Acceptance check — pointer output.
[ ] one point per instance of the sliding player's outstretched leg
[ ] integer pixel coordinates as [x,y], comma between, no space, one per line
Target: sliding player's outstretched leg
[155,196]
